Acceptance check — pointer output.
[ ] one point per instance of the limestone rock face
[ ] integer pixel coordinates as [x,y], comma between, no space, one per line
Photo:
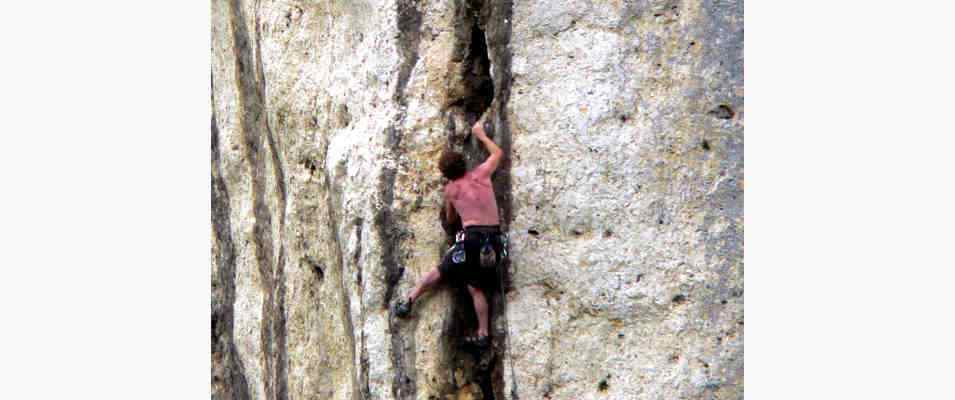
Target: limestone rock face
[621,190]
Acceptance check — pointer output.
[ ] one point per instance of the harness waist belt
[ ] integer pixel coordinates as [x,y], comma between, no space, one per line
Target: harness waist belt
[483,228]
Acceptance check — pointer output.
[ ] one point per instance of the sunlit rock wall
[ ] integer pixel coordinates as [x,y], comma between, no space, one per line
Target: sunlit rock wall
[622,124]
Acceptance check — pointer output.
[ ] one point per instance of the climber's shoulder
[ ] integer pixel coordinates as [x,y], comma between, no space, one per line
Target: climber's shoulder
[450,189]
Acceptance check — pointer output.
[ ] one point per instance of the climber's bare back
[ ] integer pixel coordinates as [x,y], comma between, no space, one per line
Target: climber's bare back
[473,198]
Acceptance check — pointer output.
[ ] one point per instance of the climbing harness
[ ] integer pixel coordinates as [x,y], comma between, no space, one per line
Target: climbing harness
[488,255]
[458,254]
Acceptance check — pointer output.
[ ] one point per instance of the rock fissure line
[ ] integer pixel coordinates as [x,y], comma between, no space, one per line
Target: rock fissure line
[330,205]
[277,316]
[408,22]
[254,125]
[484,34]
[498,33]
[228,380]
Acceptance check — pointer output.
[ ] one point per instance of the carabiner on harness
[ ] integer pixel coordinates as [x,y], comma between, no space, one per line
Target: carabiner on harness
[503,246]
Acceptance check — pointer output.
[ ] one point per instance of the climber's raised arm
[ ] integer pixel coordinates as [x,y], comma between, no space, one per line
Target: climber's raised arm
[488,166]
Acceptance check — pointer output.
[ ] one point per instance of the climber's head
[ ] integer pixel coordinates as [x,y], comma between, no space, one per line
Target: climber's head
[452,165]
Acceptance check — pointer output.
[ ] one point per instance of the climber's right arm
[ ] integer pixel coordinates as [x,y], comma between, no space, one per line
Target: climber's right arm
[490,165]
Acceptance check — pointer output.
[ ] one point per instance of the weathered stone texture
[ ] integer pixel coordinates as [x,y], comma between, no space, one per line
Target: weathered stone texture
[622,191]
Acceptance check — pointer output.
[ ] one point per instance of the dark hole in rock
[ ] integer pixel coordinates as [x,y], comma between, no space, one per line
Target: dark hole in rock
[620,336]
[578,232]
[215,325]
[343,116]
[705,145]
[624,118]
[679,299]
[476,69]
[723,301]
[533,232]
[316,267]
[660,221]
[692,43]
[310,166]
[608,233]
[722,111]
[604,385]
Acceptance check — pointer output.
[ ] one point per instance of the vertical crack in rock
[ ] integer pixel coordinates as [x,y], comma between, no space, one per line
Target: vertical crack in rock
[389,232]
[277,315]
[484,35]
[359,279]
[498,29]
[359,383]
[228,373]
[254,126]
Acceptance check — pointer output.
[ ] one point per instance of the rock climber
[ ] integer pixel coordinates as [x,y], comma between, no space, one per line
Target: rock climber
[472,261]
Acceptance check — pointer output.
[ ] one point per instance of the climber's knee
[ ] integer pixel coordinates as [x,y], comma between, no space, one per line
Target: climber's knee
[475,292]
[434,276]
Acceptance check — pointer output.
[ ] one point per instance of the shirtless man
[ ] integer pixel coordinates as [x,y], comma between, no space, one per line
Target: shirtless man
[478,249]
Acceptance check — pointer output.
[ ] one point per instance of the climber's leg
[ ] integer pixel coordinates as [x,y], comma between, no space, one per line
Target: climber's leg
[480,306]
[426,283]
[402,308]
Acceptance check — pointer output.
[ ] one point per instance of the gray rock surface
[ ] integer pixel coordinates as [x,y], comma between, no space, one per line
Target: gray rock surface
[622,192]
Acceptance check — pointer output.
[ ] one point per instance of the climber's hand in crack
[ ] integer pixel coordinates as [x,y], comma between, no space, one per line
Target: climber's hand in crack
[478,128]
[490,165]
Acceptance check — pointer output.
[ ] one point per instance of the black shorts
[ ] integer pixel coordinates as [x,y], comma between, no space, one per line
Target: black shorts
[461,264]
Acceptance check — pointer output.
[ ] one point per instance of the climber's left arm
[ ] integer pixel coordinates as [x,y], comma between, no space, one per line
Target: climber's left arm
[449,210]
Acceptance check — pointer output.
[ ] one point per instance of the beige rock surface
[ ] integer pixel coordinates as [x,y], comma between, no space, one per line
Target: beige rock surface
[622,192]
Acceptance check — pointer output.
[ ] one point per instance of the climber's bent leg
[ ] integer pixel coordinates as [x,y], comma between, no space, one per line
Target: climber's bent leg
[480,306]
[427,282]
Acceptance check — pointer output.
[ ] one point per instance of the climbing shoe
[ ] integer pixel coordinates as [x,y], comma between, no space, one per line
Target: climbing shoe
[478,342]
[403,308]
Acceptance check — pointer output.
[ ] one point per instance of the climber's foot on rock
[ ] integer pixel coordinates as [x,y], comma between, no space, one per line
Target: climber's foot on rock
[403,308]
